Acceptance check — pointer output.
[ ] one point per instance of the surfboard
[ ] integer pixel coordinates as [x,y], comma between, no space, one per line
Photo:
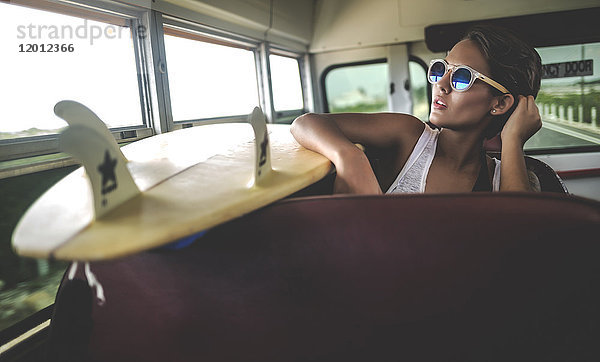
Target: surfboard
[162,188]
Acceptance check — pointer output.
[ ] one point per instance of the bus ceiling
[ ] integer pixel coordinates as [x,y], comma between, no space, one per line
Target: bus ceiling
[540,30]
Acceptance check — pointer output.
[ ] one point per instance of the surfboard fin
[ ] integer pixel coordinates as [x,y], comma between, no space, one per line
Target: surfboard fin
[262,161]
[88,139]
[75,113]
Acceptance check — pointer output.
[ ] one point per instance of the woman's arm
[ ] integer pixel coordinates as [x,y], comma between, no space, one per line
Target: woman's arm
[334,136]
[522,124]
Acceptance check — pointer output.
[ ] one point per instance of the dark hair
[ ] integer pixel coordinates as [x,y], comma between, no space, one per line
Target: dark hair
[513,63]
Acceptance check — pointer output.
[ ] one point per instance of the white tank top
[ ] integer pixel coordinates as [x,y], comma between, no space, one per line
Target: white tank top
[413,176]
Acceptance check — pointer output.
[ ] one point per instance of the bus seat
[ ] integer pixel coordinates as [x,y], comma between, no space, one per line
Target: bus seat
[469,277]
[547,178]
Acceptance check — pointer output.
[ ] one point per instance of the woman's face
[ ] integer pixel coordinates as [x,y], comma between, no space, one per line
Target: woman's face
[462,110]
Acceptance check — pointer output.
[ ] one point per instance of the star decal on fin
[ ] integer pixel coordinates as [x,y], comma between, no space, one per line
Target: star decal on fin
[107,169]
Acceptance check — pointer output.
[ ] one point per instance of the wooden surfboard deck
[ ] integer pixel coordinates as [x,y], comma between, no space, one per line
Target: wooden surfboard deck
[190,180]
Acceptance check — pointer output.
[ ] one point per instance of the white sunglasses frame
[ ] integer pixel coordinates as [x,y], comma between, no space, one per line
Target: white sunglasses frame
[476,75]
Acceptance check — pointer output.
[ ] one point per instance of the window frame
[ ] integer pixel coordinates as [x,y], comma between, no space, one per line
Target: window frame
[261,50]
[40,319]
[421,62]
[563,149]
[342,65]
[199,32]
[24,147]
[304,84]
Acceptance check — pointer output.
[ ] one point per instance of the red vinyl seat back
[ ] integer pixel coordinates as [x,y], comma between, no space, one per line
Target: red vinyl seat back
[470,277]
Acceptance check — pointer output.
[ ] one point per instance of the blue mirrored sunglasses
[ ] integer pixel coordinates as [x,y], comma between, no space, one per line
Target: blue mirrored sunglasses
[462,77]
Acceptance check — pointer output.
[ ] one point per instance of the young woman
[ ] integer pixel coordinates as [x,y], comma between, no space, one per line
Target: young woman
[486,84]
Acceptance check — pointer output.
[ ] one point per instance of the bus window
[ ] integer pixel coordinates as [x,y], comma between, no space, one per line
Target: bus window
[569,98]
[208,80]
[89,61]
[285,78]
[49,55]
[419,89]
[357,87]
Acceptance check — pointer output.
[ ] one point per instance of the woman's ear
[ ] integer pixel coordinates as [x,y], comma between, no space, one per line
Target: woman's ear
[502,104]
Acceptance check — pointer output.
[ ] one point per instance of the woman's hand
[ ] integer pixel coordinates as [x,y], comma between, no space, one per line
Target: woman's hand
[523,123]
